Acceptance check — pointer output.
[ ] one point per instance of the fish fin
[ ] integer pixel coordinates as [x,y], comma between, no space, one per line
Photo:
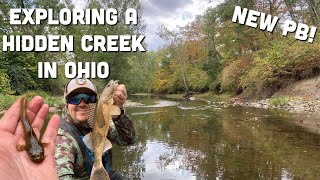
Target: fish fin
[21,147]
[115,111]
[107,145]
[87,139]
[99,173]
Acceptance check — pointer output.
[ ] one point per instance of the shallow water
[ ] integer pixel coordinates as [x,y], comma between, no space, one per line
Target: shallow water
[199,140]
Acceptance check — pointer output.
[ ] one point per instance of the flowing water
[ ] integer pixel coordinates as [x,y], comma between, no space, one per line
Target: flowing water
[200,140]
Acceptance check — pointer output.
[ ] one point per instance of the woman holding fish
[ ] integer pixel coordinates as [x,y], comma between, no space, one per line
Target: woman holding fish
[86,118]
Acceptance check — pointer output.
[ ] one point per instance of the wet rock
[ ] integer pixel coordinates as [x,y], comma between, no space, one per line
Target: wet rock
[254,119]
[221,103]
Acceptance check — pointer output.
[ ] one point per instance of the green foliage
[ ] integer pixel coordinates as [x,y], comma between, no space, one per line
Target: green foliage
[124,66]
[21,80]
[212,65]
[282,62]
[237,58]
[140,76]
[6,101]
[231,74]
[279,101]
[210,53]
[259,77]
[20,68]
[19,72]
[198,80]
[5,87]
[53,101]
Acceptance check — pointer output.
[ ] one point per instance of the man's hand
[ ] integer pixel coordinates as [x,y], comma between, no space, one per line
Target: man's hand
[120,96]
[16,164]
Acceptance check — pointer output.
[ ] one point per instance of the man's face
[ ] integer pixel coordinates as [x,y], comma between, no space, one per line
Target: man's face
[78,112]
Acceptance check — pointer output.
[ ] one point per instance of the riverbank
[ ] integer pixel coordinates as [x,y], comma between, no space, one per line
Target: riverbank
[305,112]
[298,97]
[55,102]
[291,104]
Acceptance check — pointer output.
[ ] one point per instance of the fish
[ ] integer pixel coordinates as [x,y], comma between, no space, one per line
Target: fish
[33,146]
[104,112]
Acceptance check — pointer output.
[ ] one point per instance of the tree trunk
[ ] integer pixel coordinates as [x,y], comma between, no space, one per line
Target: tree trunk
[186,90]
[290,6]
[313,12]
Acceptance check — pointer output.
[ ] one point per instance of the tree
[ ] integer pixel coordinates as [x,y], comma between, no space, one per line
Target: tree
[173,40]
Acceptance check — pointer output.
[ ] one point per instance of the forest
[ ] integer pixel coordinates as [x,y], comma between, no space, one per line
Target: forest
[210,54]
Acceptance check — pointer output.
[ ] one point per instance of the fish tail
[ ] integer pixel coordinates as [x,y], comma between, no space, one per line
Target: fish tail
[99,173]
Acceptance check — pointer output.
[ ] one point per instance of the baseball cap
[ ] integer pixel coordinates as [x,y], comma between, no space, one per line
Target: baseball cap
[79,83]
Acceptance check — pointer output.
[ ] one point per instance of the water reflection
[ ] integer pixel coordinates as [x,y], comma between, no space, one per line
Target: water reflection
[285,175]
[195,140]
[165,162]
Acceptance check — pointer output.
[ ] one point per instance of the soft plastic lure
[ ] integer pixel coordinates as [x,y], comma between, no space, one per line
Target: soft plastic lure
[33,146]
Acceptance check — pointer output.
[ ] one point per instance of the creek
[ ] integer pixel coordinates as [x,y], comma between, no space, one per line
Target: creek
[200,140]
[208,140]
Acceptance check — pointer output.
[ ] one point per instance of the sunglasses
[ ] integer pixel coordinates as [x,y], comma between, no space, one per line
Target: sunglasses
[77,99]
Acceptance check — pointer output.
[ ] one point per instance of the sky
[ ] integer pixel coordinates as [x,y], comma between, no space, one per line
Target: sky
[170,13]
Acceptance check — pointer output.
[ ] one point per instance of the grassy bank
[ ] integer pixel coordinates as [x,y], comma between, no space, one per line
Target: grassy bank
[53,101]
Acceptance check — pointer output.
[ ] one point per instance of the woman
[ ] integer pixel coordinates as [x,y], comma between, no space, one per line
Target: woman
[73,160]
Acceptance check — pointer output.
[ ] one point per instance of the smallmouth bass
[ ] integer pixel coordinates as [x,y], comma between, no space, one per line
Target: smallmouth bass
[103,115]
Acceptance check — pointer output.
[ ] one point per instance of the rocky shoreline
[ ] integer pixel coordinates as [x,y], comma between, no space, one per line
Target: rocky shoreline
[306,113]
[303,107]
[293,105]
[311,107]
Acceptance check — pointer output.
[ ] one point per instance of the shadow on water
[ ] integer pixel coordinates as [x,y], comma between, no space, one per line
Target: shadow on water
[195,140]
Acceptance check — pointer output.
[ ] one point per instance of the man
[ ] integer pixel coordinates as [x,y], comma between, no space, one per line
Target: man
[16,164]
[73,159]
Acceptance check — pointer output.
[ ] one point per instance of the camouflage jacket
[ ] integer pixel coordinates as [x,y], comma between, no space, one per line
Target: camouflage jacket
[69,162]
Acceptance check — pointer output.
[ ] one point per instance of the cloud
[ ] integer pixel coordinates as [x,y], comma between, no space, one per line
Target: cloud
[163,8]
[171,14]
